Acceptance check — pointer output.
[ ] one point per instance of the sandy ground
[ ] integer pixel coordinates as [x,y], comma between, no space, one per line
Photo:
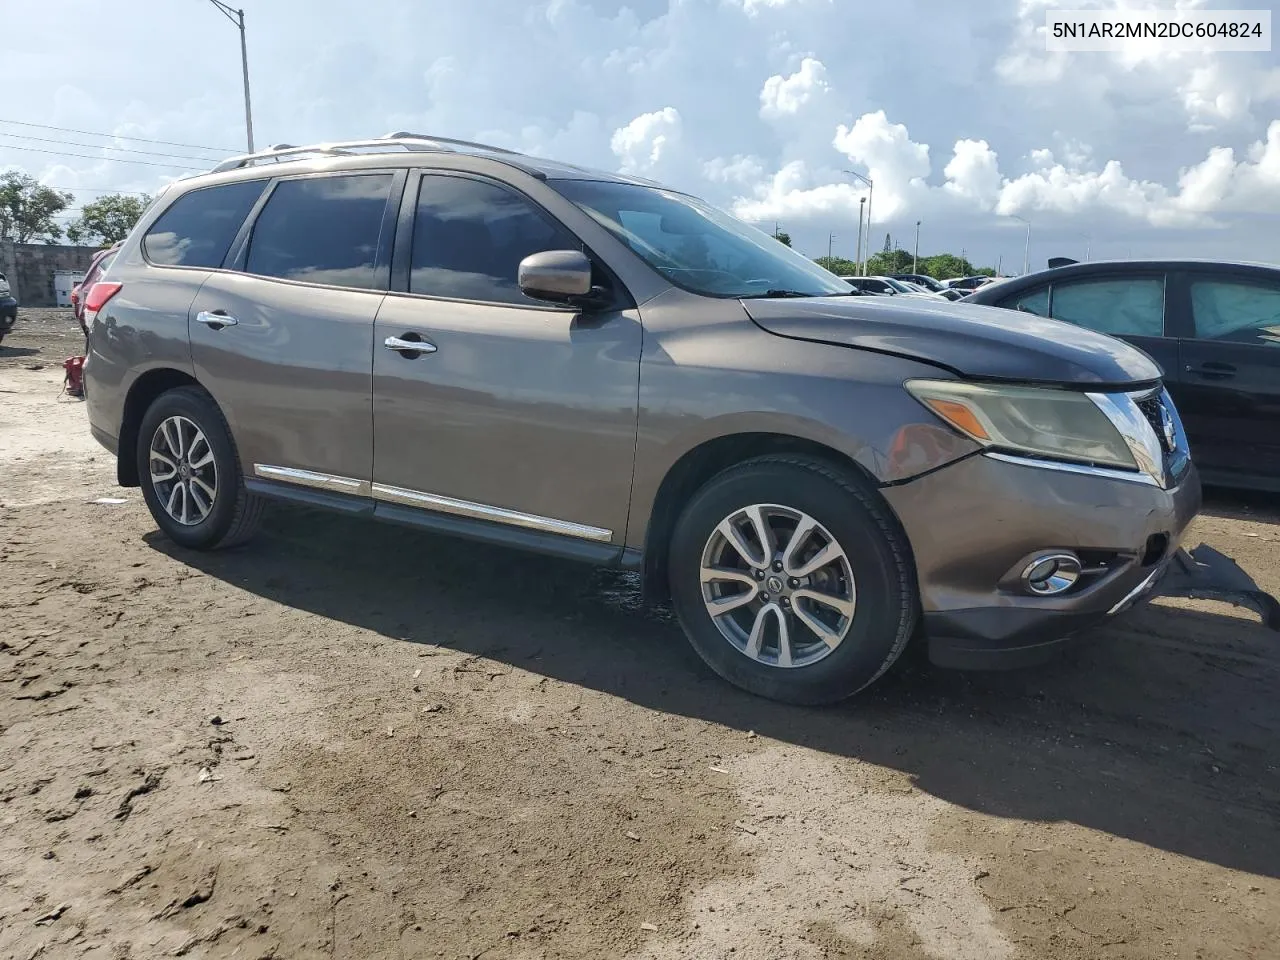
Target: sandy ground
[358,741]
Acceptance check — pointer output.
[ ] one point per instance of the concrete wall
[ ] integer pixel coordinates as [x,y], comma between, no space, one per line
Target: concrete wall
[29,268]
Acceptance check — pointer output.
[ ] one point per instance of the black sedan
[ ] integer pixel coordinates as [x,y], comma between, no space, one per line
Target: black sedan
[1214,327]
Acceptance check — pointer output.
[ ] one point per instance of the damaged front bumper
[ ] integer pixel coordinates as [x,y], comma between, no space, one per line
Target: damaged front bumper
[1205,574]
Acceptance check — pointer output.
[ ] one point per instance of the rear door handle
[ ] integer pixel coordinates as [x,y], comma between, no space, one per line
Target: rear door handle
[1212,370]
[216,320]
[404,346]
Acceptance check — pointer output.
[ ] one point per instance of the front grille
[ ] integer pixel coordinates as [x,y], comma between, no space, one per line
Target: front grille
[1152,407]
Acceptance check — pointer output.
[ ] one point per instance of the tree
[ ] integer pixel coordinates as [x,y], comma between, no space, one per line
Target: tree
[838,265]
[107,219]
[883,264]
[940,266]
[783,238]
[28,208]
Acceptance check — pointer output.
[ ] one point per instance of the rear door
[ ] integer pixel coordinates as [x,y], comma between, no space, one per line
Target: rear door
[1230,390]
[284,340]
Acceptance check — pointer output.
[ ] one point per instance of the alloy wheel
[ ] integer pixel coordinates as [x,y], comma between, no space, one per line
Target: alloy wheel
[778,585]
[183,471]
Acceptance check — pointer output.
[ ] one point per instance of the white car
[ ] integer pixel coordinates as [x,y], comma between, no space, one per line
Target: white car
[889,287]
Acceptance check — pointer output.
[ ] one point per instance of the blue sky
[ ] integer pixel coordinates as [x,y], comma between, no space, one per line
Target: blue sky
[954,110]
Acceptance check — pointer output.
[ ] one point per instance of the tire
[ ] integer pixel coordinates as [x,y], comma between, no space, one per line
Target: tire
[870,586]
[233,514]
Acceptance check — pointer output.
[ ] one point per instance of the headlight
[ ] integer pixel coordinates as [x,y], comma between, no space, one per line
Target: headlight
[1034,421]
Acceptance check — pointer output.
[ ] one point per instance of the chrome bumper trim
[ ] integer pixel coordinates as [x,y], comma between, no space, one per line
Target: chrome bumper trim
[309,478]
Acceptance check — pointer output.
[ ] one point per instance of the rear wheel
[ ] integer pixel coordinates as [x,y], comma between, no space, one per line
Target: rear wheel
[793,580]
[190,473]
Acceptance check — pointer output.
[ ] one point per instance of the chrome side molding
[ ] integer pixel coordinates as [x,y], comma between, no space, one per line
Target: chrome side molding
[480,511]
[430,501]
[309,478]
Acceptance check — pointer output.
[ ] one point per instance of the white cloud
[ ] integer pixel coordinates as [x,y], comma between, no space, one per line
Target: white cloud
[643,144]
[784,96]
[974,172]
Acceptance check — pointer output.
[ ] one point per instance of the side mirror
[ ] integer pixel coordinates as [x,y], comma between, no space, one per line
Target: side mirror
[559,275]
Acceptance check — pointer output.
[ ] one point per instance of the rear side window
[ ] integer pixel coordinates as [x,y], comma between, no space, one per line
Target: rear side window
[197,230]
[1236,311]
[470,236]
[1131,307]
[322,230]
[1035,301]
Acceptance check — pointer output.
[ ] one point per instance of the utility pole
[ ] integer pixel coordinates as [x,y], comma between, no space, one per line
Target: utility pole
[237,18]
[915,257]
[862,206]
[1026,255]
[831,239]
[999,264]
[1088,246]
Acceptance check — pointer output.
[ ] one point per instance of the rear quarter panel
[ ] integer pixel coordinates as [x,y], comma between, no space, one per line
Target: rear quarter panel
[141,329]
[707,371]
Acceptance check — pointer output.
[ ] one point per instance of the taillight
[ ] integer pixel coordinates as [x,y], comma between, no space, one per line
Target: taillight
[97,298]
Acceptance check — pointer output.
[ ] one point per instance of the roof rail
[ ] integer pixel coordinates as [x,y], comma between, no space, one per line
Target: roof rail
[404,141]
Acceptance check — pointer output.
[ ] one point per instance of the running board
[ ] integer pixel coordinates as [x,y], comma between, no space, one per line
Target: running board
[1205,574]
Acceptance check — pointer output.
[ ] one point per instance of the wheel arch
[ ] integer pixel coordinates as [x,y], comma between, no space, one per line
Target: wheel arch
[704,461]
[142,393]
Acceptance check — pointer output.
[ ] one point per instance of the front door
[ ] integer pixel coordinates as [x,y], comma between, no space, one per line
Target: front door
[284,343]
[1230,390]
[514,412]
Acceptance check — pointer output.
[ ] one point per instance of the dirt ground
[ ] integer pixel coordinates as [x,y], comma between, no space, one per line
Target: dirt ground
[358,741]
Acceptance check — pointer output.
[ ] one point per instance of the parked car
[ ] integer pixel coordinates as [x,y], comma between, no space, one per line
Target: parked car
[8,308]
[929,284]
[478,342]
[97,267]
[1212,326]
[967,284]
[888,287]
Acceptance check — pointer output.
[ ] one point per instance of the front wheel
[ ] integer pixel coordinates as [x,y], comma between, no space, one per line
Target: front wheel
[793,580]
[190,473]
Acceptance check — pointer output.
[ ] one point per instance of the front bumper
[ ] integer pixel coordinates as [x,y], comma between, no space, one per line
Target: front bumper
[974,523]
[8,313]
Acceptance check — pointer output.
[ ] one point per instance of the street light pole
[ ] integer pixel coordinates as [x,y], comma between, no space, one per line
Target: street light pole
[1026,255]
[915,257]
[1088,246]
[237,18]
[862,208]
[871,191]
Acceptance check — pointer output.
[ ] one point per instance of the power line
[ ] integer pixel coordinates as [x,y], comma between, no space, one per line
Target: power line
[90,156]
[117,136]
[103,146]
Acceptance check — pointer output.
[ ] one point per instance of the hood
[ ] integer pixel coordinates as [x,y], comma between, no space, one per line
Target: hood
[985,343]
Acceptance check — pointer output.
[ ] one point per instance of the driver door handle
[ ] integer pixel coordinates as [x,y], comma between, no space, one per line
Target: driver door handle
[408,346]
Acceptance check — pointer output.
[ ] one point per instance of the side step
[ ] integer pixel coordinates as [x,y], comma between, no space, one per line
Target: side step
[1205,574]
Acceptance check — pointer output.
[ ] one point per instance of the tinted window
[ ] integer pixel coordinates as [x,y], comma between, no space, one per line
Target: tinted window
[470,236]
[322,230]
[198,229]
[1124,307]
[1236,311]
[1035,301]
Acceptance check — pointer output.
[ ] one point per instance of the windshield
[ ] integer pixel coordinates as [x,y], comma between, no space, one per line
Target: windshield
[928,283]
[698,247]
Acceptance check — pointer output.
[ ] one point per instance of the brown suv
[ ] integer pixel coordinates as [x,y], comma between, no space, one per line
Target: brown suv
[475,341]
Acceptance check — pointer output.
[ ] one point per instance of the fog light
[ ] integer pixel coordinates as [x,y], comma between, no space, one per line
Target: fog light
[1051,574]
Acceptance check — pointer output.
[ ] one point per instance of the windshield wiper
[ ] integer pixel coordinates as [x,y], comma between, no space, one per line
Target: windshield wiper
[780,294]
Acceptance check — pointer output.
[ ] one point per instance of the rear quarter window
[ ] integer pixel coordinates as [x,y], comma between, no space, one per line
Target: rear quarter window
[197,230]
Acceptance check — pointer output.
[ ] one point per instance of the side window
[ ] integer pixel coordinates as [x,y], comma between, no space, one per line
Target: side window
[322,230]
[197,230]
[1036,301]
[469,237]
[1236,311]
[1125,307]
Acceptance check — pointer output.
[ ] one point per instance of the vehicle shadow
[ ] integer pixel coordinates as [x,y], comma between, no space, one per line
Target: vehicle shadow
[1163,729]
[12,353]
